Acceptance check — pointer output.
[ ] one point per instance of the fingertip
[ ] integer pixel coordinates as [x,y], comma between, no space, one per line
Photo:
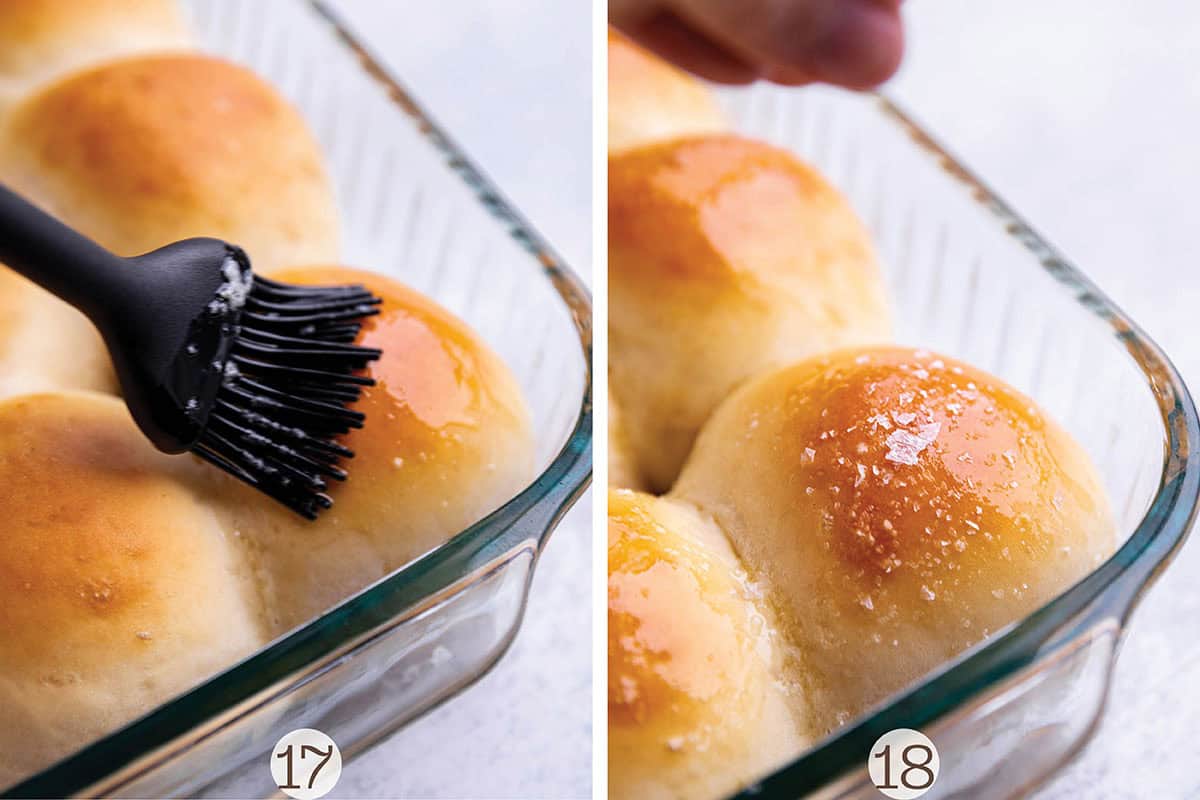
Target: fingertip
[863,49]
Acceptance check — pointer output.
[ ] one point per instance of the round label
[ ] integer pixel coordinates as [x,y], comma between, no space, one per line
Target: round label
[903,764]
[306,764]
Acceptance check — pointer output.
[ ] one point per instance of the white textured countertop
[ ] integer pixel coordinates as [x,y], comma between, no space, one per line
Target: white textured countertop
[511,80]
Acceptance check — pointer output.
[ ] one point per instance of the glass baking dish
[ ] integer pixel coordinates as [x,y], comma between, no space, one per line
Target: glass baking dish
[969,278]
[414,207]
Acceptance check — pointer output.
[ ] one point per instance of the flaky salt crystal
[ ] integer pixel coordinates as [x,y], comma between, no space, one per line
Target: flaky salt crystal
[904,446]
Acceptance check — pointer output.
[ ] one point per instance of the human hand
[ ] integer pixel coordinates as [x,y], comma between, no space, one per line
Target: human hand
[853,43]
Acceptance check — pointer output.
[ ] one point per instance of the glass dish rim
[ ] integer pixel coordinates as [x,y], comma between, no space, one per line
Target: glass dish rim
[1110,592]
[524,522]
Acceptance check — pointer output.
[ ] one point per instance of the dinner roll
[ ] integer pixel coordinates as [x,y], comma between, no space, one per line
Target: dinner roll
[46,344]
[447,440]
[145,151]
[726,257]
[694,707]
[900,506]
[42,39]
[118,588]
[649,100]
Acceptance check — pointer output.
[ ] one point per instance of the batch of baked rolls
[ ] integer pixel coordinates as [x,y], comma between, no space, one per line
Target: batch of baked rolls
[803,518]
[127,576]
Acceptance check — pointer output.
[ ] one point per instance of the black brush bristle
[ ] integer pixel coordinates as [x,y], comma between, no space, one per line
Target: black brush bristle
[289,377]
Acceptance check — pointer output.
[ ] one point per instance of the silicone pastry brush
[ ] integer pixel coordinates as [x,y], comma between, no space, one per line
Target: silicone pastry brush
[251,375]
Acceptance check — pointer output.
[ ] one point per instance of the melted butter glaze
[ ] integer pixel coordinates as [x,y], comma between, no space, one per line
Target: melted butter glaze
[657,581]
[444,406]
[925,465]
[890,487]
[433,383]
[430,375]
[697,705]
[725,206]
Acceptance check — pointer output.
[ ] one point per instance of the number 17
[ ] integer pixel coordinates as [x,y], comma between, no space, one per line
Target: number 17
[306,749]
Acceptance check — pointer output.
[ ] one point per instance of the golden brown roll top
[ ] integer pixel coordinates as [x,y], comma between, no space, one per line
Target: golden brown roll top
[142,152]
[42,39]
[118,588]
[726,257]
[447,440]
[649,100]
[145,151]
[900,506]
[695,708]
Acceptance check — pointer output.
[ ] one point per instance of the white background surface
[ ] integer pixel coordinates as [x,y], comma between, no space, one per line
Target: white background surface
[1085,115]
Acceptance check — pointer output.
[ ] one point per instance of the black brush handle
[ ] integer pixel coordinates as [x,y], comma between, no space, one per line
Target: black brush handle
[63,261]
[168,346]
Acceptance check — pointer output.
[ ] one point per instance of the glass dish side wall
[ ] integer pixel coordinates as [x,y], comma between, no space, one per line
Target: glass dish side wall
[414,208]
[1005,740]
[386,681]
[968,279]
